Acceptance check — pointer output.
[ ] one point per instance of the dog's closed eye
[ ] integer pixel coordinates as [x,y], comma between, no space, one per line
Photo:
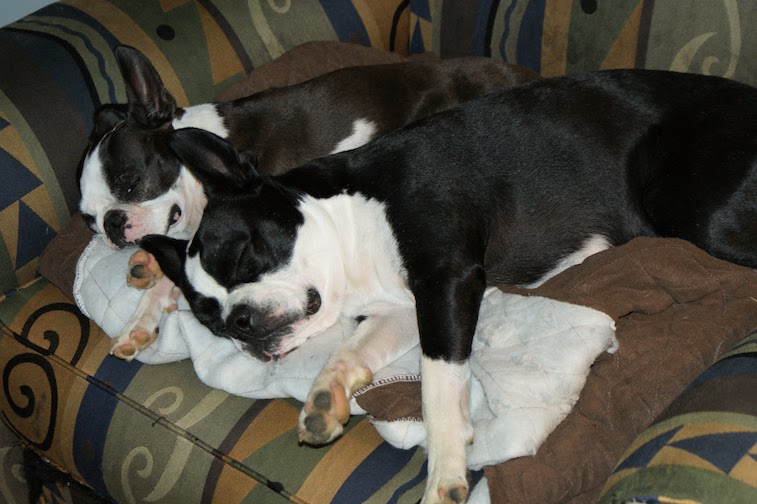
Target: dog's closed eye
[314,302]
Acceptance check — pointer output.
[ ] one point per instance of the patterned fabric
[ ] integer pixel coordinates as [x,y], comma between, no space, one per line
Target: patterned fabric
[703,448]
[135,432]
[554,37]
[155,433]
[63,68]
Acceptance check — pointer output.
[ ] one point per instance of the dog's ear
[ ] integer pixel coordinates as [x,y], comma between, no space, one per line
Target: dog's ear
[150,103]
[108,117]
[171,255]
[215,162]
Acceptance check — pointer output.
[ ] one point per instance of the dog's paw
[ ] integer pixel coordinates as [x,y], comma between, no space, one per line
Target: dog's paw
[323,415]
[127,346]
[328,406]
[446,489]
[144,270]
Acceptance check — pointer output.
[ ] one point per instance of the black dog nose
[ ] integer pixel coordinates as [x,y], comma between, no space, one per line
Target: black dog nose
[114,224]
[241,317]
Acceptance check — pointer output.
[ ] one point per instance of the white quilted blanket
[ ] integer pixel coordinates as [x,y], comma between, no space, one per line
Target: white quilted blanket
[531,356]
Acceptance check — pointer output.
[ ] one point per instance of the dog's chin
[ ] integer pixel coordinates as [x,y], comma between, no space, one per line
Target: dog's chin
[264,354]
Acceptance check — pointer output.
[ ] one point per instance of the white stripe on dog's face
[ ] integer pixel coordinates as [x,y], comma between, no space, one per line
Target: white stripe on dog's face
[96,195]
[363,131]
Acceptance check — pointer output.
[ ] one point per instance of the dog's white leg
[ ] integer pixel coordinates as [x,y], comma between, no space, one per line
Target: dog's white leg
[160,295]
[446,414]
[377,341]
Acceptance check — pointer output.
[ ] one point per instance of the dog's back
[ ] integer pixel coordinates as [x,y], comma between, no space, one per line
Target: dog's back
[297,121]
[556,162]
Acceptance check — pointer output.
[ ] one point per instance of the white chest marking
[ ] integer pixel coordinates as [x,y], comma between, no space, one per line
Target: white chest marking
[595,243]
[94,188]
[204,116]
[362,132]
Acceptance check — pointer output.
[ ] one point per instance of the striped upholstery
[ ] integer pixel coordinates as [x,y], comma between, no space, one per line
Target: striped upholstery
[703,448]
[554,37]
[134,431]
[155,433]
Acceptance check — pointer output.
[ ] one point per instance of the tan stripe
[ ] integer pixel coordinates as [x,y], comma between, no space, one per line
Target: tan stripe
[224,62]
[169,5]
[39,201]
[335,467]
[554,43]
[275,420]
[622,54]
[12,143]
[370,17]
[9,229]
[128,32]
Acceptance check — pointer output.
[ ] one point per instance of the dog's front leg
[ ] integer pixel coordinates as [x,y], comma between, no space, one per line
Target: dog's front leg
[160,295]
[445,389]
[447,303]
[378,340]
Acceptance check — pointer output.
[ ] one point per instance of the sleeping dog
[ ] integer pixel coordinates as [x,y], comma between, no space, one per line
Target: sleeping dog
[405,233]
[133,185]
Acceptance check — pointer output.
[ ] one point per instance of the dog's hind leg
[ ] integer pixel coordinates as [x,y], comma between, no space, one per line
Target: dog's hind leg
[160,295]
[378,340]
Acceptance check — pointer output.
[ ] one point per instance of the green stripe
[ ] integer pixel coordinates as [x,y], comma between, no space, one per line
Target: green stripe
[10,307]
[407,473]
[680,482]
[8,280]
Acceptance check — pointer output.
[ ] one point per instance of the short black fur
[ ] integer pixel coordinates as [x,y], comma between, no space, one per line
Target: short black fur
[501,189]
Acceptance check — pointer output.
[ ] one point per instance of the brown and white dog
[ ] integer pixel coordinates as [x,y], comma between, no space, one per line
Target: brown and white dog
[133,185]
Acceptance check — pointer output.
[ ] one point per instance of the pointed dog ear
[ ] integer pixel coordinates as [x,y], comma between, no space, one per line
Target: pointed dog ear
[108,117]
[215,162]
[149,101]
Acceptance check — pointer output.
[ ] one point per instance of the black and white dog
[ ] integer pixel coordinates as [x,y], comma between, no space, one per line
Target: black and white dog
[133,185]
[406,232]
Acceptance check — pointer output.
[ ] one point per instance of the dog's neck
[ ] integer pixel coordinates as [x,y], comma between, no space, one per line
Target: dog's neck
[357,233]
[196,201]
[205,116]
